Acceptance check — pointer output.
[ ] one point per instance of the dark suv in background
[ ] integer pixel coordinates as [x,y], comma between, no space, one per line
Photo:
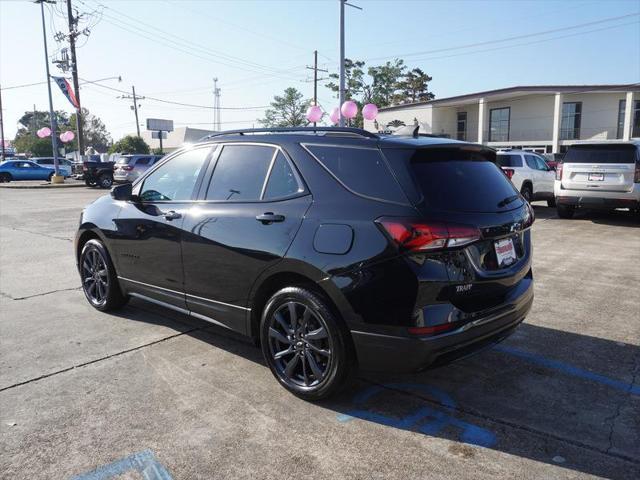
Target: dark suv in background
[330,247]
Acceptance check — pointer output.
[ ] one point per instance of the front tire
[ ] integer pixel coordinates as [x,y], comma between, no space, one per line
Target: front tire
[565,211]
[5,177]
[99,280]
[305,345]
[89,183]
[105,180]
[527,193]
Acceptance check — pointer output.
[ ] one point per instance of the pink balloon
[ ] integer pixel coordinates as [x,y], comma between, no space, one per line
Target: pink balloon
[370,111]
[67,136]
[44,132]
[349,109]
[314,113]
[335,115]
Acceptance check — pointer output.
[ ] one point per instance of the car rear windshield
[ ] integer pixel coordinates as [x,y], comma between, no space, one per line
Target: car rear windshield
[464,181]
[601,154]
[123,160]
[509,160]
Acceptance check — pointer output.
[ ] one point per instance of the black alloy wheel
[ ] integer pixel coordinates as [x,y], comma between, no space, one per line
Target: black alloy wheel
[304,344]
[99,282]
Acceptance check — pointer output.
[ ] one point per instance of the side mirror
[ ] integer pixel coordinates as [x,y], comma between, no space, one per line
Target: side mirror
[122,192]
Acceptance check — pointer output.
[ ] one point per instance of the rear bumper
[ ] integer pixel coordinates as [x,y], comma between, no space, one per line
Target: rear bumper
[596,199]
[383,352]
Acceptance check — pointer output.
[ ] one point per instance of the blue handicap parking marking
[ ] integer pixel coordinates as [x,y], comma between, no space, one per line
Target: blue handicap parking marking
[144,463]
[569,369]
[427,420]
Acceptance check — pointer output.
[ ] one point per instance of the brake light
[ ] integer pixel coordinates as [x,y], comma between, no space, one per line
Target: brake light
[127,167]
[559,171]
[431,330]
[509,172]
[420,236]
[636,177]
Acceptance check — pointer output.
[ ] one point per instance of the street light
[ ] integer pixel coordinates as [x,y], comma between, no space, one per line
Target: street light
[57,178]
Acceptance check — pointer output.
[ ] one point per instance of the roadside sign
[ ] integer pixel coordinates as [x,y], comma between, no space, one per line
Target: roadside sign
[157,134]
[160,124]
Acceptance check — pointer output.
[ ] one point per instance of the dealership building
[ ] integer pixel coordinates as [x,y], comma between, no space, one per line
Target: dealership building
[546,119]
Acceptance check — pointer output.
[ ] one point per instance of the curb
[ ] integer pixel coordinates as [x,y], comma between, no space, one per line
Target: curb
[43,185]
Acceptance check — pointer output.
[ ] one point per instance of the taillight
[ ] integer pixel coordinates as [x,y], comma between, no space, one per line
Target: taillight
[509,172]
[636,177]
[420,236]
[559,171]
[431,330]
[128,168]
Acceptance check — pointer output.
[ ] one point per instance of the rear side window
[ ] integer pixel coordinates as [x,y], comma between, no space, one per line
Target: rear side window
[240,173]
[361,170]
[531,162]
[601,154]
[509,160]
[282,181]
[461,181]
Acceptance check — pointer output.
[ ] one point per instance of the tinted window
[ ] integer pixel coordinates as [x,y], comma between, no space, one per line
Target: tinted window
[531,161]
[240,173]
[542,165]
[508,160]
[123,160]
[175,179]
[362,170]
[282,181]
[601,154]
[142,161]
[462,181]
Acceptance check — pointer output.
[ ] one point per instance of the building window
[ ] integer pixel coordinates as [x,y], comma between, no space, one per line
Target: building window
[621,109]
[635,128]
[461,131]
[570,126]
[499,124]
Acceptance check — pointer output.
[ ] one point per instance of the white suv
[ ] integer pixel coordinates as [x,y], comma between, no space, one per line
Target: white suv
[529,173]
[598,176]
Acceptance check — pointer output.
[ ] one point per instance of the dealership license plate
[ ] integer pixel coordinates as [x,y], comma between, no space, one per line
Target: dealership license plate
[505,253]
[596,177]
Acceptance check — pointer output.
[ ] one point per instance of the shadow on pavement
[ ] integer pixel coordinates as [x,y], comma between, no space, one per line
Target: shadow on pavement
[544,394]
[620,218]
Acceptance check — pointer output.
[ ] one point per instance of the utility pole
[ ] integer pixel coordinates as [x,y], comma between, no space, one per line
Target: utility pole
[52,118]
[341,94]
[216,106]
[73,23]
[315,78]
[1,130]
[135,105]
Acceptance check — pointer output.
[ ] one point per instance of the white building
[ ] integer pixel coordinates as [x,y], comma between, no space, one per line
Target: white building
[545,119]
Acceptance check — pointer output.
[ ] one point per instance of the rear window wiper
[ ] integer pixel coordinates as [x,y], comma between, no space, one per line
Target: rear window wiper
[508,200]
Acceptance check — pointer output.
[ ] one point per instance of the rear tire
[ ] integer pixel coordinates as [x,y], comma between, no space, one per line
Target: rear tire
[551,203]
[98,276]
[5,177]
[105,180]
[50,177]
[89,183]
[527,192]
[565,211]
[306,346]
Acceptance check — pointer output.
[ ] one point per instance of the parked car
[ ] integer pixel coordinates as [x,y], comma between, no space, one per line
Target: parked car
[98,173]
[24,170]
[331,247]
[64,166]
[601,176]
[78,165]
[130,167]
[529,173]
[553,159]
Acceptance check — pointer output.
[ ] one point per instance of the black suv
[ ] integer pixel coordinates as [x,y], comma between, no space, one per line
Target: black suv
[330,247]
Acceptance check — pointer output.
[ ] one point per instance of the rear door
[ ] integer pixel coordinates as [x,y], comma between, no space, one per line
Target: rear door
[602,167]
[250,209]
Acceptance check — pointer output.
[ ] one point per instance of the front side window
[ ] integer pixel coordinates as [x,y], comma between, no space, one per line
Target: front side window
[570,125]
[176,179]
[361,170]
[240,173]
[461,133]
[499,124]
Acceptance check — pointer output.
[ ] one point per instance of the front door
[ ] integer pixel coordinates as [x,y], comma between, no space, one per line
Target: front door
[148,247]
[249,214]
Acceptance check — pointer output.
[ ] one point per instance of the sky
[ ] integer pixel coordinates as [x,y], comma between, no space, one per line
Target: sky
[172,50]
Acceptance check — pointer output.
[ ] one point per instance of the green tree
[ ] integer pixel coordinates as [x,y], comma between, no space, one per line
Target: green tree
[386,81]
[353,80]
[33,146]
[287,110]
[415,87]
[33,121]
[95,132]
[130,144]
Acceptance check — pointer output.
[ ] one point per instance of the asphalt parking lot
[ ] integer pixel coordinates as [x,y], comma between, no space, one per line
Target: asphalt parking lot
[146,393]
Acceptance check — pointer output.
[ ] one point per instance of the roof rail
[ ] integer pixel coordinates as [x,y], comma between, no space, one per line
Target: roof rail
[328,130]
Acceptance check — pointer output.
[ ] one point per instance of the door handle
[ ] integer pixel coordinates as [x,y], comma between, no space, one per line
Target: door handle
[172,215]
[270,217]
